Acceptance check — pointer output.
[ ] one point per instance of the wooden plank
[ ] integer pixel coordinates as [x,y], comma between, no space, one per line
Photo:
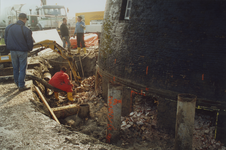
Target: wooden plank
[33,65]
[6,71]
[47,105]
[6,78]
[9,70]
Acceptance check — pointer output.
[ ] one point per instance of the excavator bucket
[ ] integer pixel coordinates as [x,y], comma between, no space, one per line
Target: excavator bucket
[50,40]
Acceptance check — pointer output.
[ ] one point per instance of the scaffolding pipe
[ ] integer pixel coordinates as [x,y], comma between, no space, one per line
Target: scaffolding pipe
[185,121]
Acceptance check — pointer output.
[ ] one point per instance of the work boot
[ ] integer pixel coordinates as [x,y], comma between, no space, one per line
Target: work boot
[79,49]
[84,50]
[24,88]
[56,94]
[70,96]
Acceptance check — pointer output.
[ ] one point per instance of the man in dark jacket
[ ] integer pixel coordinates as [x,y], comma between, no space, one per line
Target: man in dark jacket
[65,34]
[18,40]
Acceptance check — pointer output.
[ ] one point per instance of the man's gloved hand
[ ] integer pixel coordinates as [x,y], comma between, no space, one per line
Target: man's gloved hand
[63,38]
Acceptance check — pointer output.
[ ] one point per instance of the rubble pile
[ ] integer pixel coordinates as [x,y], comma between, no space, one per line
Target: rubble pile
[140,125]
[142,117]
[82,94]
[85,92]
[204,133]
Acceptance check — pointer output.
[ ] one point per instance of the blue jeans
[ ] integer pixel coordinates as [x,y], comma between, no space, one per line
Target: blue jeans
[19,61]
[66,40]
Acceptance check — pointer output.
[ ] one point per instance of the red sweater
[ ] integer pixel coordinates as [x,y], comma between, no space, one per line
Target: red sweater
[61,81]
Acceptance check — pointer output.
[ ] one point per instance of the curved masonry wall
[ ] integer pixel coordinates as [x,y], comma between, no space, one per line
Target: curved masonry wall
[168,45]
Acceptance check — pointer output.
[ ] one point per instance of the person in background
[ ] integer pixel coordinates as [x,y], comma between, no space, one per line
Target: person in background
[18,39]
[79,32]
[65,34]
[61,81]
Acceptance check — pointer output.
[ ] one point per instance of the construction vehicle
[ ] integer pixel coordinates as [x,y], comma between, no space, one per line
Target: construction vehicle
[5,58]
[43,17]
[62,52]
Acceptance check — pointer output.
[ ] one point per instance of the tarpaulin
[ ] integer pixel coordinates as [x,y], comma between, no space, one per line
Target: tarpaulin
[90,40]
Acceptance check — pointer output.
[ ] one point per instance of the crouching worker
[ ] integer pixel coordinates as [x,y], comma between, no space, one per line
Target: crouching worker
[61,81]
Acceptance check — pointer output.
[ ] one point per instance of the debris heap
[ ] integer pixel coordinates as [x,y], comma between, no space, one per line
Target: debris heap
[140,125]
[204,133]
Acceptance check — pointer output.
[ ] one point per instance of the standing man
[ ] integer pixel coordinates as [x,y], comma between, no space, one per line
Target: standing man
[79,31]
[18,39]
[65,34]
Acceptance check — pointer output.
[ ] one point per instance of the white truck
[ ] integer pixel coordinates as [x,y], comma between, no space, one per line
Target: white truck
[40,17]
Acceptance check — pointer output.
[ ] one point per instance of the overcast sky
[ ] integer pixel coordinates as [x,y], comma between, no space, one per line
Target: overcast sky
[73,5]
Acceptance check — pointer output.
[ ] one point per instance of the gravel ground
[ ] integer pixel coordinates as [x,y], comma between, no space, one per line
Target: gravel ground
[21,127]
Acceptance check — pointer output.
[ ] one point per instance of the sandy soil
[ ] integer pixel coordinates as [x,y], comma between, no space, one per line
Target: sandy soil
[21,127]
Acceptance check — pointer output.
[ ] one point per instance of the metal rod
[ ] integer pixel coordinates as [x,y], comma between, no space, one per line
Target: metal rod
[114,112]
[70,76]
[96,81]
[81,65]
[185,121]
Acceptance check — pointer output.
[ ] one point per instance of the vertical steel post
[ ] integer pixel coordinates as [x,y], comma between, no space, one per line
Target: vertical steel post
[114,112]
[185,121]
[96,80]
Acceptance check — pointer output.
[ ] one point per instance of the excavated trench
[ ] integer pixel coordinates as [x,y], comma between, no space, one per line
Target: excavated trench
[92,120]
[141,129]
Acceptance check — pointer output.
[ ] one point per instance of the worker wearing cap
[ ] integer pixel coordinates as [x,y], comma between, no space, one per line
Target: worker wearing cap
[61,81]
[18,39]
[79,32]
[65,34]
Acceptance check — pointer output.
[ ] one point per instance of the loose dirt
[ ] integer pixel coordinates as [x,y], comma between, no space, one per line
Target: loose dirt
[22,127]
[25,123]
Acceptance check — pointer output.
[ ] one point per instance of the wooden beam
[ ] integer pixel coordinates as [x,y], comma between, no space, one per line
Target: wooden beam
[65,111]
[47,105]
[32,77]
